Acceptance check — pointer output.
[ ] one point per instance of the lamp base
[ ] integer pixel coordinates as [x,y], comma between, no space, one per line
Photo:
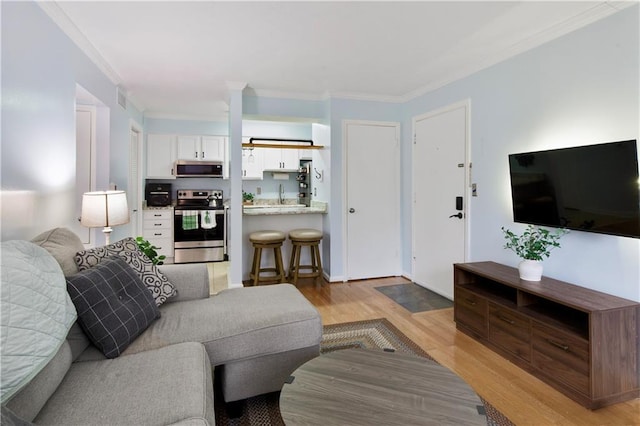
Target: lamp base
[107,233]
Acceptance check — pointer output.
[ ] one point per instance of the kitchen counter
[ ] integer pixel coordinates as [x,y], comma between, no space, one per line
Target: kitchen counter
[146,207]
[317,207]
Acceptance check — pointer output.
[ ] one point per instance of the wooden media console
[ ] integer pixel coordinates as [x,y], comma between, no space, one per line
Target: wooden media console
[582,342]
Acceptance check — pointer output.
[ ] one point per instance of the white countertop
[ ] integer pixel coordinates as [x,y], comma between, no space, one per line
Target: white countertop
[317,207]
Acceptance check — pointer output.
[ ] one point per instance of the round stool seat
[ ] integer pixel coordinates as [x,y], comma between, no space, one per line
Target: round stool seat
[310,238]
[269,240]
[267,237]
[305,234]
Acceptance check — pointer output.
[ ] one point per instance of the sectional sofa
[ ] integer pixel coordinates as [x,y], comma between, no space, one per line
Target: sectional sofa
[176,336]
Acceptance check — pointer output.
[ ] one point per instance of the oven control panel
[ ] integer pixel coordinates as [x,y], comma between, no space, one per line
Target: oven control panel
[200,194]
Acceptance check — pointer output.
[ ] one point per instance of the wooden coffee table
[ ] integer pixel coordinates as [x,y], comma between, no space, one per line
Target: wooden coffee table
[373,387]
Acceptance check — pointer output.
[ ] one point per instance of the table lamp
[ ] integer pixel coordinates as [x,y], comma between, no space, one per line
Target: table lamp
[106,209]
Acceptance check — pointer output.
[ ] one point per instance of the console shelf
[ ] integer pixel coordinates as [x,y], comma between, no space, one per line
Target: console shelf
[582,342]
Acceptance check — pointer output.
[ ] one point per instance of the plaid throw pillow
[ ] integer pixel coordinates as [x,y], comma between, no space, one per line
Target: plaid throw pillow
[159,285]
[114,306]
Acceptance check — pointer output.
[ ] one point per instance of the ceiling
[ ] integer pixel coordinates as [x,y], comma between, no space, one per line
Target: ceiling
[176,59]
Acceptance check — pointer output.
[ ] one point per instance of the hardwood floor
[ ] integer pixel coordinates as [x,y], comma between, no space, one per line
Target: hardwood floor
[520,396]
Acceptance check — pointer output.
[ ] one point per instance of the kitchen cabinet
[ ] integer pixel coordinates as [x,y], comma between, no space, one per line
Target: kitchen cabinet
[161,156]
[305,154]
[158,230]
[205,148]
[582,342]
[252,164]
[284,159]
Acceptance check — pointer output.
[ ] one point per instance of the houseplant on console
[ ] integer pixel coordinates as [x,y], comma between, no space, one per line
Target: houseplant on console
[534,244]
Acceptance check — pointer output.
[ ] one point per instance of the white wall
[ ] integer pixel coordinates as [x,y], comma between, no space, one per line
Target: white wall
[580,89]
[40,69]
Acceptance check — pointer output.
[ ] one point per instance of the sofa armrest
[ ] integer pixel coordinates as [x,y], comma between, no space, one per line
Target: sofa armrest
[191,280]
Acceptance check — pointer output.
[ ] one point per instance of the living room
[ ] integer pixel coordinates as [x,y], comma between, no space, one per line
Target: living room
[579,89]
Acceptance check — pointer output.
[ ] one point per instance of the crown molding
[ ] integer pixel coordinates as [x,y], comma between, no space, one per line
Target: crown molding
[218,117]
[63,21]
[599,11]
[282,94]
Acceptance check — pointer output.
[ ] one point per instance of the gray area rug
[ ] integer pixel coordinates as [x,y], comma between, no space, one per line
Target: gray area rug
[415,298]
[264,410]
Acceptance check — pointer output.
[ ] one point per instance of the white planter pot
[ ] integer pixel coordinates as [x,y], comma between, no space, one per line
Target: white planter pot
[530,270]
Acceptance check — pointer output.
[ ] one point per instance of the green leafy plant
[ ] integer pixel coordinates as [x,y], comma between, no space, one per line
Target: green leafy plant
[247,196]
[534,243]
[151,251]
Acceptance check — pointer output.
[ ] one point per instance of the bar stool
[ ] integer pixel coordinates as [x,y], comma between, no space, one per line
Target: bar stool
[267,240]
[300,238]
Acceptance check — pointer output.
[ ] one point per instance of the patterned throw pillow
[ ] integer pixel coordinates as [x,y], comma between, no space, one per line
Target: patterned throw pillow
[114,306]
[159,285]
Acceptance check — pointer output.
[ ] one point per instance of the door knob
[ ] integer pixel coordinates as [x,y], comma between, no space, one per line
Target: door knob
[352,210]
[459,215]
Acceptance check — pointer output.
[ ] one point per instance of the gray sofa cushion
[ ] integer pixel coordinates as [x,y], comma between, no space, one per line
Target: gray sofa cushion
[113,305]
[63,245]
[160,387]
[8,418]
[31,398]
[277,319]
[157,283]
[190,279]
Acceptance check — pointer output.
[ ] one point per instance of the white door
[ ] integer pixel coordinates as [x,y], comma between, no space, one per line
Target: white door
[85,164]
[135,181]
[439,177]
[372,170]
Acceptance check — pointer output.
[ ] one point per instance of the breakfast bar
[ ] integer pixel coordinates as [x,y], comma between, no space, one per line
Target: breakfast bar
[278,217]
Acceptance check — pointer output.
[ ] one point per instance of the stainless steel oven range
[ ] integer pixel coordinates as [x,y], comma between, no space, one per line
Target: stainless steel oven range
[200,229]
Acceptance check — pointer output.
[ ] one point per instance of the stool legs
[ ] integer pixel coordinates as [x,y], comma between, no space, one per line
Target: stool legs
[294,263]
[256,270]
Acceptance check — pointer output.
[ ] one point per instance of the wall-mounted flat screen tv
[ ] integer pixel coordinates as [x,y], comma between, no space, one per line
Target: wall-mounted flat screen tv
[592,188]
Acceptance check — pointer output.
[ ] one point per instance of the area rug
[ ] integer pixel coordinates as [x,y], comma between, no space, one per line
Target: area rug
[264,410]
[414,297]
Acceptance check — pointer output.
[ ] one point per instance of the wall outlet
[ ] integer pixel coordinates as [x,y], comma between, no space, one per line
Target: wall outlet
[258,190]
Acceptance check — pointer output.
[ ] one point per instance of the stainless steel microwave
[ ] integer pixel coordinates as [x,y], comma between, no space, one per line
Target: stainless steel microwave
[185,168]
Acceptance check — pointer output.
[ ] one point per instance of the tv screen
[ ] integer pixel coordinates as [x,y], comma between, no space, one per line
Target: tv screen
[592,188]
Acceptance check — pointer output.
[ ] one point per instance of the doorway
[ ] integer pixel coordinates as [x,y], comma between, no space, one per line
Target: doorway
[134,186]
[440,195]
[372,199]
[85,166]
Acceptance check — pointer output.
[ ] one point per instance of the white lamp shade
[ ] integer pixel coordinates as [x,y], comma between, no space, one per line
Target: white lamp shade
[104,208]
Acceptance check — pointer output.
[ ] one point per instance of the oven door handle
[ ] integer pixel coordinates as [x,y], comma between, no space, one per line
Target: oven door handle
[180,212]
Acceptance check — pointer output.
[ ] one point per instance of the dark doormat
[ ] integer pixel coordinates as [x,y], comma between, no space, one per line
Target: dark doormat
[415,298]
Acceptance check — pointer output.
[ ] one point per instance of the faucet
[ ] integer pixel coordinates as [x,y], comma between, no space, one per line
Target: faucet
[280,195]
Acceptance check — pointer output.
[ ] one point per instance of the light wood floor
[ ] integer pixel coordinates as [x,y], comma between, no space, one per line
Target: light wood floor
[520,396]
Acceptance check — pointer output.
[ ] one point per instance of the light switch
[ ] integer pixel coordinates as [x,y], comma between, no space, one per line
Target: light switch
[474,190]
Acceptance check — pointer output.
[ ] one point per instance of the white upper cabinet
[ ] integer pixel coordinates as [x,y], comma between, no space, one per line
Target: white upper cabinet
[281,159]
[252,164]
[161,156]
[205,148]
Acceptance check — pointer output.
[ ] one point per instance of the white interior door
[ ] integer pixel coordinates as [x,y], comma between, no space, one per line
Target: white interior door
[439,176]
[372,170]
[135,181]
[85,165]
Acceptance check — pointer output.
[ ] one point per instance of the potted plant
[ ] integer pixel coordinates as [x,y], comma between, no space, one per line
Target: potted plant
[532,246]
[151,251]
[247,197]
